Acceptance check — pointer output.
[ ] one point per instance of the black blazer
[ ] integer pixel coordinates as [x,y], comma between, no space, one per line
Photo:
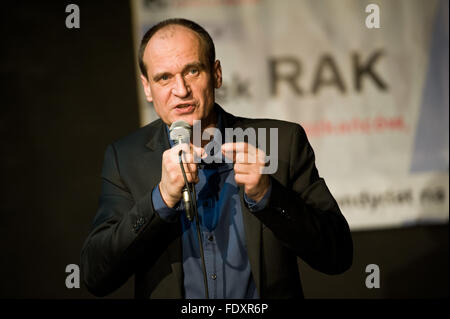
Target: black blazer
[302,219]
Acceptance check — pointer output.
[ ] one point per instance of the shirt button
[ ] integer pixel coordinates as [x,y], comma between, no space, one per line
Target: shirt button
[213,276]
[210,237]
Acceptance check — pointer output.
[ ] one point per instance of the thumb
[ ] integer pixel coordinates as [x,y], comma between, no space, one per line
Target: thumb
[199,152]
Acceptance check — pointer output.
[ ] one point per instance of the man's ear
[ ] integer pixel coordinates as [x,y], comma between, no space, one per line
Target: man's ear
[217,74]
[147,91]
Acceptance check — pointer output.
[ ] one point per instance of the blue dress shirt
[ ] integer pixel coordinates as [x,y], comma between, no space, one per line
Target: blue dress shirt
[222,229]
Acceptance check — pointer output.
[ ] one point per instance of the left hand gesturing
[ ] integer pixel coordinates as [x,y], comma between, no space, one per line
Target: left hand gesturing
[248,163]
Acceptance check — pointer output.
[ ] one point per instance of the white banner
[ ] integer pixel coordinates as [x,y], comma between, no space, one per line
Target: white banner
[371,94]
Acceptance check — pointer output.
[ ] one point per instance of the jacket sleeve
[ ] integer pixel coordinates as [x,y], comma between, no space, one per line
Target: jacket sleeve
[126,233]
[304,216]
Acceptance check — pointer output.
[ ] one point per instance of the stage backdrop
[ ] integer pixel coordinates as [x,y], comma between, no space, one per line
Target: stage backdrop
[373,101]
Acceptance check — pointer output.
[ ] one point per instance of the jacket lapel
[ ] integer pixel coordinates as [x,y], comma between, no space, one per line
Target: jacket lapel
[159,140]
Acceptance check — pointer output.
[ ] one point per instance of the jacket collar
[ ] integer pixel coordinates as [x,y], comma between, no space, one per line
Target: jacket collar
[159,140]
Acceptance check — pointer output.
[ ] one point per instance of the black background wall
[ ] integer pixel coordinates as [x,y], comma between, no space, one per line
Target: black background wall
[66,94]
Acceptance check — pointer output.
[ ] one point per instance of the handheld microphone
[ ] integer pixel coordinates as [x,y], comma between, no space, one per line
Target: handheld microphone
[180,133]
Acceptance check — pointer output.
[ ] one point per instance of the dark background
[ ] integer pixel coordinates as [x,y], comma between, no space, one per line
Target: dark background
[67,94]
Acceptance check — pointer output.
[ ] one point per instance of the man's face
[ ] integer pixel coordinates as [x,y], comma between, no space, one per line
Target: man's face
[180,82]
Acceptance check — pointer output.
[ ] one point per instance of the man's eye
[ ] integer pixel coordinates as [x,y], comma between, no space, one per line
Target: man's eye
[193,71]
[165,77]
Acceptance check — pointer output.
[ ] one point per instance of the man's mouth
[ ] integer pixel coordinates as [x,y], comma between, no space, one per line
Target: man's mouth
[184,108]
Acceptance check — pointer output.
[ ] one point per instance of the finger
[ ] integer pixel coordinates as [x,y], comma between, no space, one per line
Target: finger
[192,153]
[242,168]
[191,167]
[183,146]
[198,151]
[246,157]
[235,147]
[175,152]
[188,168]
[186,154]
[187,158]
[191,178]
[240,152]
[228,150]
[240,179]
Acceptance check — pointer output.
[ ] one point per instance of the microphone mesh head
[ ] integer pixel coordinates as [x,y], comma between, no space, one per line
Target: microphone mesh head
[180,132]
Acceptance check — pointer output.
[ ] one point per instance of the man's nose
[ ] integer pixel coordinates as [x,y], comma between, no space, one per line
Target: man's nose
[180,88]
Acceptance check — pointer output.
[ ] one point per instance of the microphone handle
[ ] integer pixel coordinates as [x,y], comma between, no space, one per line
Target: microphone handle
[188,205]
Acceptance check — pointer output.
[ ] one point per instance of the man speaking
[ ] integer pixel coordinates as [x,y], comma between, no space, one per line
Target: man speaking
[249,227]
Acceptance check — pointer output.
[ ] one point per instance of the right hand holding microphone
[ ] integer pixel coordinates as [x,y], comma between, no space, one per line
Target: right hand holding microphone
[172,181]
